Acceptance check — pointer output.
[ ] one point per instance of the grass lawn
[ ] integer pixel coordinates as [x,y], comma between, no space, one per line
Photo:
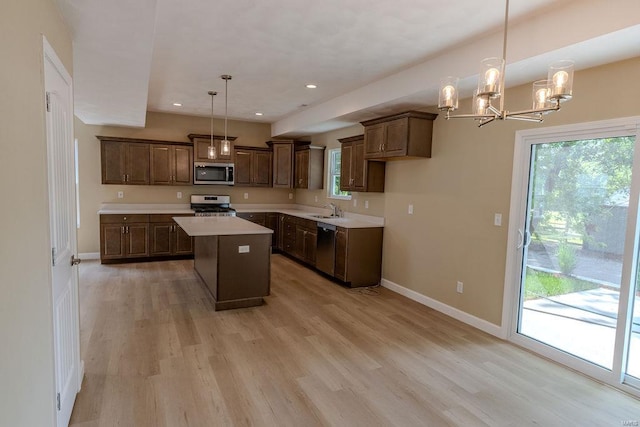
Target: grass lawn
[541,284]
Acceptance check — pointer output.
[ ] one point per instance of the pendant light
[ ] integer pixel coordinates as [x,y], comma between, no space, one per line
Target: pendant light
[211,152]
[547,94]
[225,144]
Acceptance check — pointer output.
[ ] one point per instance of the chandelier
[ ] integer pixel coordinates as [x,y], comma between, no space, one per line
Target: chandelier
[547,94]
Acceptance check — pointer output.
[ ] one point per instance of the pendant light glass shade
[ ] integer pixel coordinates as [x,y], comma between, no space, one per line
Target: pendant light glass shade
[540,95]
[211,152]
[225,144]
[490,80]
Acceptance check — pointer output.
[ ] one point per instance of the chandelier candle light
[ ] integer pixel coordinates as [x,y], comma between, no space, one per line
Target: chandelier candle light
[547,94]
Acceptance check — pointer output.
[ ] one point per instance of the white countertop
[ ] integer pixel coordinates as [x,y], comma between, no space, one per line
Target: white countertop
[350,220]
[219,226]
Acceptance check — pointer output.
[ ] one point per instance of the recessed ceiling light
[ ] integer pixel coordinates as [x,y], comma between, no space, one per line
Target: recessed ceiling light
[177,104]
[258,114]
[311,86]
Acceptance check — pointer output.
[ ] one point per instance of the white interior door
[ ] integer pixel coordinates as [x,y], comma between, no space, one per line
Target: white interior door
[60,155]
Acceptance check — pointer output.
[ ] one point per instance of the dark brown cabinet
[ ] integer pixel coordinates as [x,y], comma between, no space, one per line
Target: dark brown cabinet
[142,236]
[201,145]
[283,159]
[253,166]
[167,238]
[124,162]
[266,219]
[124,236]
[171,164]
[309,167]
[358,259]
[406,134]
[357,173]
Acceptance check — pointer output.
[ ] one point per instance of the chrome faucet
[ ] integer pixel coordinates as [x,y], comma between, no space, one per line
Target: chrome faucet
[334,209]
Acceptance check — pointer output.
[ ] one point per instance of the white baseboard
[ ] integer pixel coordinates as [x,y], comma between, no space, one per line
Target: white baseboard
[460,315]
[90,255]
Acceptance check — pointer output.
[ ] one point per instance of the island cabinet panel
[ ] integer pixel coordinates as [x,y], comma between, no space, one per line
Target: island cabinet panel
[309,167]
[201,145]
[401,135]
[356,172]
[358,259]
[235,278]
[255,217]
[124,162]
[171,165]
[273,222]
[253,166]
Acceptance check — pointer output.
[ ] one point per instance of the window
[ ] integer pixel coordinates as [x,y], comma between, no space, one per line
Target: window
[334,177]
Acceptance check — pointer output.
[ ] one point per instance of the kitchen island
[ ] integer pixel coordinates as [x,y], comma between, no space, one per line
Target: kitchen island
[232,257]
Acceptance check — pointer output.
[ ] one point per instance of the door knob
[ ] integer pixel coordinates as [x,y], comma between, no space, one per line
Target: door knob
[75,261]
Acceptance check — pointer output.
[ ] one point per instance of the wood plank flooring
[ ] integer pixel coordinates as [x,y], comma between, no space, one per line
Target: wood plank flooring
[156,354]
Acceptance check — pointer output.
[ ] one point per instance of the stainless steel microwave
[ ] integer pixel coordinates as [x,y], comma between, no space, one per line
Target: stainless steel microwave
[213,173]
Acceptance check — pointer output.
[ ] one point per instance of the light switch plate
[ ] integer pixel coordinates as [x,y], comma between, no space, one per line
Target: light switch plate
[244,249]
[497,219]
[120,194]
[179,194]
[246,195]
[366,204]
[355,202]
[410,209]
[290,196]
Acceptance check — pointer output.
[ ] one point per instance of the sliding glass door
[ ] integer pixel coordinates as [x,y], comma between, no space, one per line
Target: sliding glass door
[576,236]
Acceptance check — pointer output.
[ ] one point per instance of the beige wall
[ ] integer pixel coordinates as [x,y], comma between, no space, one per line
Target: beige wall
[170,127]
[455,194]
[26,359]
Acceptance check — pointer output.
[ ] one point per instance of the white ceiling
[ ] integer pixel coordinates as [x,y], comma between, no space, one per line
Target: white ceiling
[368,57]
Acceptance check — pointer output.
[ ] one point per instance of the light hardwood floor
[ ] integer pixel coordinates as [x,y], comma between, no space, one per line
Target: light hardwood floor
[156,354]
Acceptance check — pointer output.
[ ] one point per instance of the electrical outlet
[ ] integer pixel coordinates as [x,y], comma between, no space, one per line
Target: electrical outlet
[410,209]
[497,220]
[355,203]
[366,204]
[244,249]
[459,287]
[316,198]
[120,194]
[290,196]
[179,194]
[246,195]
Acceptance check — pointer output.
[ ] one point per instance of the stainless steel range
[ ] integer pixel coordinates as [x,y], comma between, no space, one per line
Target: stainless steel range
[210,205]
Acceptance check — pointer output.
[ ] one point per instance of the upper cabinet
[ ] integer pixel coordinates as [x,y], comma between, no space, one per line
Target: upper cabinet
[406,134]
[171,164]
[124,162]
[309,167]
[253,166]
[201,145]
[357,173]
[282,163]
[144,161]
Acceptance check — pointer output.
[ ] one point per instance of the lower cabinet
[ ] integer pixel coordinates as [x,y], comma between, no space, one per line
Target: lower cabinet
[136,237]
[167,238]
[359,256]
[266,219]
[124,236]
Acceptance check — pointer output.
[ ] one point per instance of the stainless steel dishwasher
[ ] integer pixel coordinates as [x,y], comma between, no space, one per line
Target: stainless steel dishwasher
[326,248]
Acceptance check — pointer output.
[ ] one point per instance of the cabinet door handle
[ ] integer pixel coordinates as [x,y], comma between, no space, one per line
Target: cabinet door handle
[124,178]
[122,229]
[127,229]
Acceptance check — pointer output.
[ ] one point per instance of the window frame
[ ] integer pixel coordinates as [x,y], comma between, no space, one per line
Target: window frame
[333,171]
